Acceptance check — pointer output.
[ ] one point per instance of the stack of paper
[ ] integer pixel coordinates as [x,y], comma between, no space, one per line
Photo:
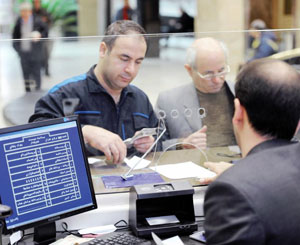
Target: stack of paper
[183,170]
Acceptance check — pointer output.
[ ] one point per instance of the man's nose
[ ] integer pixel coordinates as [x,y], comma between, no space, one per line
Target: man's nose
[130,67]
[217,79]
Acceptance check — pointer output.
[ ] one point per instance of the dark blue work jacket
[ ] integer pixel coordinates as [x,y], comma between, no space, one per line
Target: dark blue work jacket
[84,96]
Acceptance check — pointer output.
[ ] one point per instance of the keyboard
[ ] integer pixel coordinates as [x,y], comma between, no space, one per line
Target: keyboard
[118,238]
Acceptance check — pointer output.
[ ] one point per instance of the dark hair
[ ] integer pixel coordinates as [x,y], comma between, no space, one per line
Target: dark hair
[122,27]
[270,92]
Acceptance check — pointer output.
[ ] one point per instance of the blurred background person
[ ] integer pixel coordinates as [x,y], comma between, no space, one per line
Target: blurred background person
[47,46]
[30,28]
[185,23]
[263,43]
[126,12]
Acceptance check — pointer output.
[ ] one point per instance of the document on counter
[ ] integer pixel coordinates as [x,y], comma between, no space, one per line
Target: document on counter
[70,240]
[183,170]
[93,160]
[170,241]
[234,148]
[143,163]
[116,181]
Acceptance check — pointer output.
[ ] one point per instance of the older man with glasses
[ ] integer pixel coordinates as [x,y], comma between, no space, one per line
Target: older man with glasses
[199,114]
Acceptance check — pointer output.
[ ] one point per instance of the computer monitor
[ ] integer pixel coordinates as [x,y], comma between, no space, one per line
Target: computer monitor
[44,175]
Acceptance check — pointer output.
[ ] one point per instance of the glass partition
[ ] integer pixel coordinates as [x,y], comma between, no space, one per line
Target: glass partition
[163,69]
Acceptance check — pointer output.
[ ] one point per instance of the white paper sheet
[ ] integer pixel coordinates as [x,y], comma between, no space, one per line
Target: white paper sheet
[175,240]
[183,170]
[234,148]
[71,239]
[93,160]
[98,229]
[162,220]
[170,241]
[15,237]
[131,162]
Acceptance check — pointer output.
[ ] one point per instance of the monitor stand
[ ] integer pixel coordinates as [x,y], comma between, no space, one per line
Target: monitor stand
[44,234]
[1,228]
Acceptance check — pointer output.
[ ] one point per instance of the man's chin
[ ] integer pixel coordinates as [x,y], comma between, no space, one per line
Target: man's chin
[214,90]
[122,85]
[124,82]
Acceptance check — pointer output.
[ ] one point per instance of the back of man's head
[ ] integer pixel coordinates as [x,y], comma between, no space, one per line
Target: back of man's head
[121,27]
[270,92]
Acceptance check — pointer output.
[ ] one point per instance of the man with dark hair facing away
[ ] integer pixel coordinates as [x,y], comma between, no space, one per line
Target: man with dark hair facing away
[256,201]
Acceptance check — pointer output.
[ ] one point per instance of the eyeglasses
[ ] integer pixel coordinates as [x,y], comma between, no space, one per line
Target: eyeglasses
[210,76]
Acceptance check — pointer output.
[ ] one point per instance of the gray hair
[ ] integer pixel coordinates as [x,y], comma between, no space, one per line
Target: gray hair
[121,27]
[25,6]
[192,53]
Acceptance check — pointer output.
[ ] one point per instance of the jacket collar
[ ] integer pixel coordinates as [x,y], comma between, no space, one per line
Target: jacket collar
[95,87]
[270,144]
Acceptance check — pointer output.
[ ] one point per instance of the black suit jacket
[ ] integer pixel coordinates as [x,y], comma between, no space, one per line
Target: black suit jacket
[257,201]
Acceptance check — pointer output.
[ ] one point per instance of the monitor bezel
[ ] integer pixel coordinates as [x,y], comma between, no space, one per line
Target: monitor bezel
[88,172]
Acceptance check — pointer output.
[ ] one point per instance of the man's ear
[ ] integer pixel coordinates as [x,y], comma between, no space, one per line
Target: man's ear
[103,49]
[189,69]
[238,116]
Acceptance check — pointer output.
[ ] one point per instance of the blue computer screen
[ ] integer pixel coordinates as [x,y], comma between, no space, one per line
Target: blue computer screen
[43,173]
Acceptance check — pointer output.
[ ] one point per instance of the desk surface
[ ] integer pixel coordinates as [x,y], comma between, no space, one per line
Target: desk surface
[101,168]
[28,240]
[194,155]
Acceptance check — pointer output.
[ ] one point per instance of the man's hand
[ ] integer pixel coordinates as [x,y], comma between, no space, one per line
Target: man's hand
[109,143]
[143,144]
[217,167]
[198,139]
[36,36]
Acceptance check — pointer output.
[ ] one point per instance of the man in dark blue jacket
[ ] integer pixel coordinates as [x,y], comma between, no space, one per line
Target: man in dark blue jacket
[110,109]
[262,42]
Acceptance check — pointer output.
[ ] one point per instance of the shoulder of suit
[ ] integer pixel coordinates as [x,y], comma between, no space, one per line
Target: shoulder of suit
[180,89]
[266,161]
